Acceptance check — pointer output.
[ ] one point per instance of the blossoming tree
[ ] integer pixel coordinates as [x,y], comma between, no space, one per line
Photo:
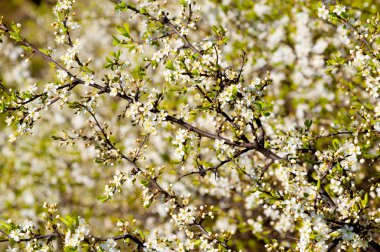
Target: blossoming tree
[191,126]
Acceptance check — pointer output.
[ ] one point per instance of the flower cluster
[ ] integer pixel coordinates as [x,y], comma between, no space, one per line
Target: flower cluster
[75,237]
[191,126]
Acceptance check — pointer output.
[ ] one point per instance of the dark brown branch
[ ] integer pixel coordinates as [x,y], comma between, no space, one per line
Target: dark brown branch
[218,109]
[36,50]
[167,22]
[375,245]
[183,37]
[88,239]
[261,136]
[210,238]
[361,36]
[140,244]
[38,237]
[333,244]
[217,166]
[266,168]
[151,180]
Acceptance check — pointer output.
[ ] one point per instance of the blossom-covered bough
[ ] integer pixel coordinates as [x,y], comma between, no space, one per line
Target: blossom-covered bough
[240,125]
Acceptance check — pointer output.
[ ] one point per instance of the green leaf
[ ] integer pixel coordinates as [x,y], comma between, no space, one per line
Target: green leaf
[198,242]
[70,221]
[74,104]
[45,51]
[364,202]
[139,72]
[144,182]
[103,198]
[339,167]
[122,6]
[116,41]
[169,65]
[183,3]
[143,11]
[318,185]
[335,143]
[70,249]
[220,247]
[126,30]
[141,233]
[5,225]
[356,207]
[307,124]
[14,33]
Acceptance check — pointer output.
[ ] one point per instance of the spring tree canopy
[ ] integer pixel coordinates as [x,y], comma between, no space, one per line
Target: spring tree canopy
[191,126]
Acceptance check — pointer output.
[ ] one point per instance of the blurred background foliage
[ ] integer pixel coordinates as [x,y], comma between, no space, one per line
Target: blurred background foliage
[32,172]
